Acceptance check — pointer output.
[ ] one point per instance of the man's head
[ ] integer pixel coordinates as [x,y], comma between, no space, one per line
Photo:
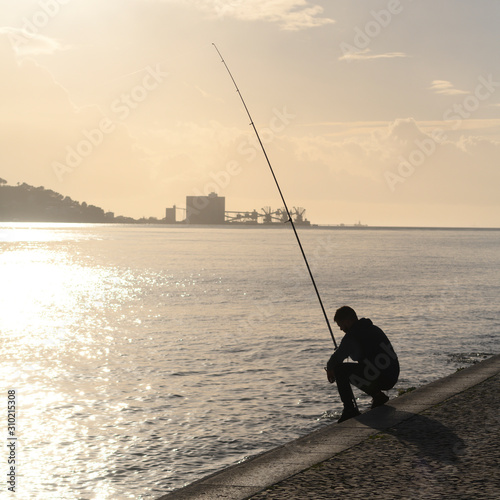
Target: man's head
[345,317]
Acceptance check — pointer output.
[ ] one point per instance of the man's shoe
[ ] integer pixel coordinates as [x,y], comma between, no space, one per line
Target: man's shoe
[347,414]
[379,400]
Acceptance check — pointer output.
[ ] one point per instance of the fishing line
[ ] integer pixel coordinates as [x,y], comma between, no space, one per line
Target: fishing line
[282,198]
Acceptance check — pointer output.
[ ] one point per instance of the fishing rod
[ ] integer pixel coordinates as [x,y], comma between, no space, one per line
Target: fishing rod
[282,198]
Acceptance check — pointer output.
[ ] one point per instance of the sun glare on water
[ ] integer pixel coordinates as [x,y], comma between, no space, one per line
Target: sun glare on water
[51,317]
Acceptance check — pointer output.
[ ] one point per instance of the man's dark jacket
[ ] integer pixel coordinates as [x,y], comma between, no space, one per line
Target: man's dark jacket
[368,344]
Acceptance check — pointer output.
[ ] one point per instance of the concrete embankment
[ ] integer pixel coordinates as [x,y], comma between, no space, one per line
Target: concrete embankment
[439,441]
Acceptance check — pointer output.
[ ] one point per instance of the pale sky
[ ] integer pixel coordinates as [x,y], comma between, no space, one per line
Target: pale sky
[384,112]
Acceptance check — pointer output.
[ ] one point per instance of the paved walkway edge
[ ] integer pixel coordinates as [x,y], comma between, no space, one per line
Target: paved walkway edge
[240,481]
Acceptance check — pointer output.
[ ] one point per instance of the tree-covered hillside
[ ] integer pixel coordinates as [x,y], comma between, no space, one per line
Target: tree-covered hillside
[25,203]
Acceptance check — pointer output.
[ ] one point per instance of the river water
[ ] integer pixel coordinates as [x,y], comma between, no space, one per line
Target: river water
[146,357]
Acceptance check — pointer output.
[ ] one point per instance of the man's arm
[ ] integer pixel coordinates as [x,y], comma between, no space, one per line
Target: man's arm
[341,353]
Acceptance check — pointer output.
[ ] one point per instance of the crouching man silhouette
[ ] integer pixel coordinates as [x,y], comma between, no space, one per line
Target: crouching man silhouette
[377,367]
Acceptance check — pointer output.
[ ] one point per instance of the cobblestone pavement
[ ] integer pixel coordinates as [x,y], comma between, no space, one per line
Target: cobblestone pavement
[449,451]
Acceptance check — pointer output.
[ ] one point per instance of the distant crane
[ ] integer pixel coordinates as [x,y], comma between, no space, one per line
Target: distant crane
[270,216]
[299,215]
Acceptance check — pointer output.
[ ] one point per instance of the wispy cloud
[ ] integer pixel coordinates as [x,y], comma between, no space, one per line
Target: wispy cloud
[445,87]
[25,43]
[290,15]
[366,54]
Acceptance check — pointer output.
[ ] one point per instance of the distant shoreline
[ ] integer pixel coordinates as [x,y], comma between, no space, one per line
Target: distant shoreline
[25,204]
[23,224]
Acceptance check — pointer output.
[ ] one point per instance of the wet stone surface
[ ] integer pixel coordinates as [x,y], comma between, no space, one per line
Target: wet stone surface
[449,451]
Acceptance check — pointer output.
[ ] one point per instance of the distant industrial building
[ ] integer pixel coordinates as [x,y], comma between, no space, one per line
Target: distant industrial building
[170,215]
[209,209]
